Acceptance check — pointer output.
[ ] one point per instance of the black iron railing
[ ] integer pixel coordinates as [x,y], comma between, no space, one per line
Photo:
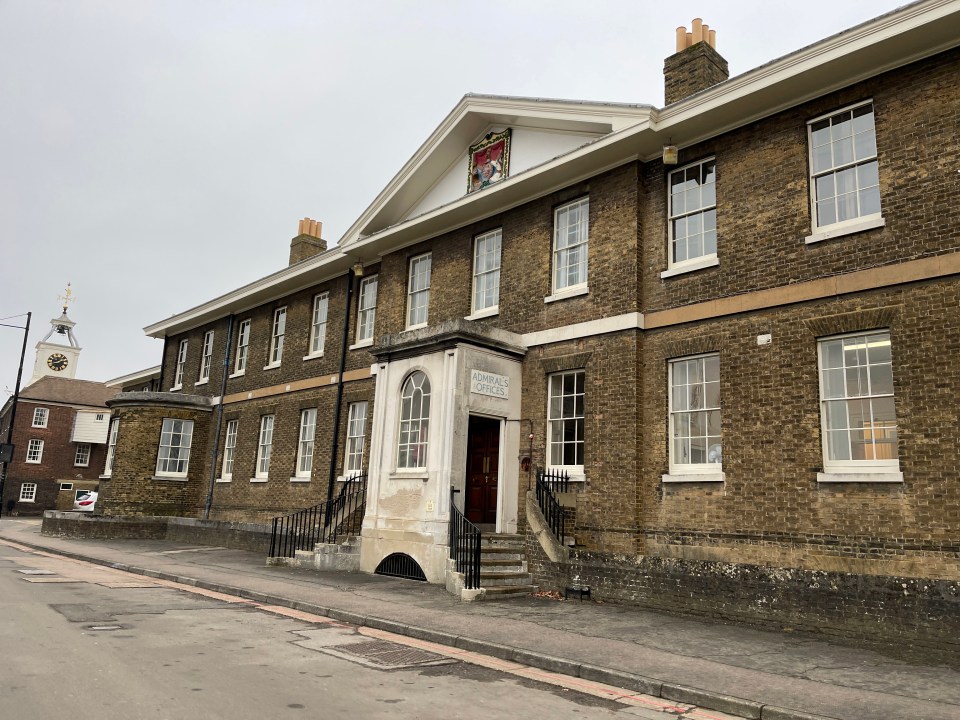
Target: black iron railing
[464,545]
[550,482]
[328,522]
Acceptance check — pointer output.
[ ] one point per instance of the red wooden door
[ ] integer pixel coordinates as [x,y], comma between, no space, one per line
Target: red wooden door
[483,470]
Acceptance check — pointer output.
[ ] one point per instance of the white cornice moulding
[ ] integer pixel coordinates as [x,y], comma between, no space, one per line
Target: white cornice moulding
[617,323]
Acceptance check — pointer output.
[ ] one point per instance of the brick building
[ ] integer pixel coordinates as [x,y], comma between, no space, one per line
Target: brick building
[59,429]
[732,320]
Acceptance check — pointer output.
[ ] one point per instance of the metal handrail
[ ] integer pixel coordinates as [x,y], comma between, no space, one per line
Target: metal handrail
[548,482]
[327,522]
[464,545]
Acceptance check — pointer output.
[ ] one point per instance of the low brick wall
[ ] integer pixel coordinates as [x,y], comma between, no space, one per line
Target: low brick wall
[236,535]
[905,617]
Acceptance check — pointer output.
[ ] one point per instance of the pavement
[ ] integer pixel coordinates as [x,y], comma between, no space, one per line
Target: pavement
[729,668]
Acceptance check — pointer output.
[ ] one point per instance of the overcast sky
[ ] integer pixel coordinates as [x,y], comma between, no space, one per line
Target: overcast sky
[158,154]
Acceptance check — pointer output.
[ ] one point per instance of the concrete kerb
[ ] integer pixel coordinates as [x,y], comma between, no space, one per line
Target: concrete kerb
[617,678]
[723,703]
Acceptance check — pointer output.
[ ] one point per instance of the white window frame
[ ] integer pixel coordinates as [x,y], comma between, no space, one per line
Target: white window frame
[356,438]
[418,290]
[485,294]
[318,326]
[206,358]
[81,458]
[711,469]
[41,416]
[557,414]
[181,363]
[264,448]
[243,348]
[173,450]
[861,220]
[66,486]
[366,310]
[305,445]
[684,212]
[229,449]
[413,436]
[277,335]
[111,446]
[872,470]
[34,451]
[562,283]
[28,492]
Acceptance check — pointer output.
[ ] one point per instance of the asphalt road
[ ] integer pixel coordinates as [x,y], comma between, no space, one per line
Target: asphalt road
[83,641]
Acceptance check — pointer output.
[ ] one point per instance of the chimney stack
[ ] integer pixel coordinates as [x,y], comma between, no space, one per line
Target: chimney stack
[696,65]
[308,242]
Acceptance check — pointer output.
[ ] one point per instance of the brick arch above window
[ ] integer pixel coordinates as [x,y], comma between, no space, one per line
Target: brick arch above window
[574,361]
[700,345]
[856,321]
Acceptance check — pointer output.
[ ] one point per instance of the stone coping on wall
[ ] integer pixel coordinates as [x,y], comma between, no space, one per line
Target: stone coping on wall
[221,533]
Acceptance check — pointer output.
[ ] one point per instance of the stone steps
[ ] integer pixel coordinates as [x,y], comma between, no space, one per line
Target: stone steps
[503,567]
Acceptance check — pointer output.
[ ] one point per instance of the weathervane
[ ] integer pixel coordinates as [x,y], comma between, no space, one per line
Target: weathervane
[66,298]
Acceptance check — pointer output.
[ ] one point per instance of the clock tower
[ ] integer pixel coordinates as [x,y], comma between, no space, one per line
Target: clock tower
[58,359]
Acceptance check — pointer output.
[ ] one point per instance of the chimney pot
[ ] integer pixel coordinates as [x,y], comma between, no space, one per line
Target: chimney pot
[308,241]
[697,30]
[696,65]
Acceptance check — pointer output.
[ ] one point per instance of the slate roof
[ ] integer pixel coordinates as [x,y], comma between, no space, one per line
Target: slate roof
[68,390]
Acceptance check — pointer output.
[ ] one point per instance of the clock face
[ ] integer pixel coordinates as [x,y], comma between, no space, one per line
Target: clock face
[57,362]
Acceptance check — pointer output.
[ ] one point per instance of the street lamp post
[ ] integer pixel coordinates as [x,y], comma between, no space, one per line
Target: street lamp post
[13,409]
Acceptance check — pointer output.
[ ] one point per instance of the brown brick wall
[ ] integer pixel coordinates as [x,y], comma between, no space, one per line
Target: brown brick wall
[132,488]
[526,262]
[689,71]
[57,462]
[296,344]
[242,499]
[607,510]
[763,193]
[771,509]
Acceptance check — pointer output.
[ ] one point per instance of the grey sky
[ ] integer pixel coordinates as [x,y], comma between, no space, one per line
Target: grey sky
[157,154]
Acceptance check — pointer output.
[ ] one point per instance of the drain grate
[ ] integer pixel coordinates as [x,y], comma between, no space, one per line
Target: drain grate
[386,654]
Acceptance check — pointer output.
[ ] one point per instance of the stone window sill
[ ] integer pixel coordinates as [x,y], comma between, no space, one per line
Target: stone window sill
[692,267]
[361,344]
[299,479]
[421,475]
[842,229]
[258,480]
[240,373]
[485,313]
[169,478]
[271,366]
[198,383]
[313,356]
[712,477]
[860,477]
[567,293]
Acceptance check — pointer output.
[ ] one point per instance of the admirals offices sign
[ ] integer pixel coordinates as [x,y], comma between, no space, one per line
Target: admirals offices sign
[484,383]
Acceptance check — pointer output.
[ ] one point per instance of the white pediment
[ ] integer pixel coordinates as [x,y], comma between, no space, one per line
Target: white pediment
[437,174]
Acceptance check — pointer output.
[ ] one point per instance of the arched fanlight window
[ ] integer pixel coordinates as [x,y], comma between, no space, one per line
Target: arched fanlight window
[414,421]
